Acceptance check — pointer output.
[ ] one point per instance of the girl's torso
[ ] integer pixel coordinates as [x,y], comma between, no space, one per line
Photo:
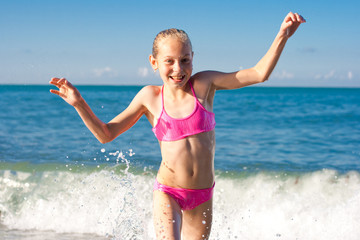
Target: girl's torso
[187,162]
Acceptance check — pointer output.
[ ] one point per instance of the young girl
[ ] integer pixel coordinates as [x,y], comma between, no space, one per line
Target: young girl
[181,114]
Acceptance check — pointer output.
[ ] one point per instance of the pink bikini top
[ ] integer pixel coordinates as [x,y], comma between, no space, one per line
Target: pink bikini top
[172,129]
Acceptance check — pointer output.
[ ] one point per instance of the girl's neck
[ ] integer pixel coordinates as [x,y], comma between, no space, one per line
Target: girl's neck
[177,93]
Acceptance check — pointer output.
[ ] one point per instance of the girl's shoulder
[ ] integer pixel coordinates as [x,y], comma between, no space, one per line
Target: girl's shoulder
[203,84]
[151,90]
[205,76]
[149,94]
[150,98]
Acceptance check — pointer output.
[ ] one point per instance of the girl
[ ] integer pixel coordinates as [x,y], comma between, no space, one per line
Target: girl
[181,114]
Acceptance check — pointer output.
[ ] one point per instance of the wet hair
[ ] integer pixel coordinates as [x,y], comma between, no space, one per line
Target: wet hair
[172,32]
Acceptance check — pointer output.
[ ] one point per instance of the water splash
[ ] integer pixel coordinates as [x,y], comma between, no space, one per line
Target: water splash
[108,202]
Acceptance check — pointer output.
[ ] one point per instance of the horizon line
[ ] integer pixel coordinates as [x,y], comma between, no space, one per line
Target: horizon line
[141,85]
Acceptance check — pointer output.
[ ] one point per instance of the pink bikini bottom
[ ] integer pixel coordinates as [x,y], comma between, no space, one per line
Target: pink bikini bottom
[186,198]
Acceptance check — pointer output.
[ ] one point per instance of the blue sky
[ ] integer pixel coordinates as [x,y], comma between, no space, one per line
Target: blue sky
[108,42]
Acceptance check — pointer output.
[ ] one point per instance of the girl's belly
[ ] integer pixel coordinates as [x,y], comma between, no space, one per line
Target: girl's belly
[189,162]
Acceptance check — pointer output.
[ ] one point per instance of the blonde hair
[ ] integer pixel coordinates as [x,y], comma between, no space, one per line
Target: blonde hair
[172,32]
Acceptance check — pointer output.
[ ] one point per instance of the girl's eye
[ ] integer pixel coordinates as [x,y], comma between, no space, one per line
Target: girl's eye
[186,60]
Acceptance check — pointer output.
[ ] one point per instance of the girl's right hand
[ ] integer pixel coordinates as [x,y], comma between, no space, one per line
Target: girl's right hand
[66,91]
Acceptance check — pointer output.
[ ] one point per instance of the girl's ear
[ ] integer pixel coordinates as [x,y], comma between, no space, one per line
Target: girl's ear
[153,62]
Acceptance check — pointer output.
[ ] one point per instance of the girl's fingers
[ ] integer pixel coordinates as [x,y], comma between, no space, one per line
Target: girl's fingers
[294,17]
[290,17]
[62,81]
[59,82]
[55,84]
[299,18]
[57,93]
[302,19]
[55,81]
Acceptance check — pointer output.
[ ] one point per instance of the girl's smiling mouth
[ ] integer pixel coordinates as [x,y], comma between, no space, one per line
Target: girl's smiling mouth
[178,78]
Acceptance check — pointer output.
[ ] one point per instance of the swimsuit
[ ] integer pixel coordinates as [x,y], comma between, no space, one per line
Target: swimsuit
[186,198]
[172,129]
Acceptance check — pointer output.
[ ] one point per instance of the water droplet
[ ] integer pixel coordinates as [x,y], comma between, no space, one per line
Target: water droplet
[103,150]
[203,222]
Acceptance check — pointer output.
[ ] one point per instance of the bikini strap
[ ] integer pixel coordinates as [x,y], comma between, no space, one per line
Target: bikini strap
[192,89]
[162,97]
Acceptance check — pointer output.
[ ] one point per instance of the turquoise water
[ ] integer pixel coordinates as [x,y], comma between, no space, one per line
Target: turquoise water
[287,165]
[291,129]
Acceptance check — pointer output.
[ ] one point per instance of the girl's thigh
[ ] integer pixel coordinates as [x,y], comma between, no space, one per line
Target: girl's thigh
[197,222]
[167,217]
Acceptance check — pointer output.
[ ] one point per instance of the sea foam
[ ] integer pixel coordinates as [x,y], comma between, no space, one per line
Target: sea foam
[118,205]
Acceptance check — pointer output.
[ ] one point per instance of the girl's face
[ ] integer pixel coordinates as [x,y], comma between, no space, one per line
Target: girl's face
[174,61]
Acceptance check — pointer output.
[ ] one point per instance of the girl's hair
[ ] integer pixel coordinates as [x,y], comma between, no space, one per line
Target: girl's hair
[172,32]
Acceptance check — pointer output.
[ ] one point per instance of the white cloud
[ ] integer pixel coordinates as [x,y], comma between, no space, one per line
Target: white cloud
[318,76]
[143,71]
[335,75]
[105,72]
[326,76]
[283,75]
[331,74]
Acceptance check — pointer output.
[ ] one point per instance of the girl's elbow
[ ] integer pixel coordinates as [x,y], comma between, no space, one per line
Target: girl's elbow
[103,140]
[261,79]
[263,76]
[264,79]
[106,136]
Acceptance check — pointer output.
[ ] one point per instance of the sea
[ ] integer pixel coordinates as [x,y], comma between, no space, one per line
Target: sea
[287,166]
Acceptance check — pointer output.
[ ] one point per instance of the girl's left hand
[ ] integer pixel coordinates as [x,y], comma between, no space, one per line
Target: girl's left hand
[291,22]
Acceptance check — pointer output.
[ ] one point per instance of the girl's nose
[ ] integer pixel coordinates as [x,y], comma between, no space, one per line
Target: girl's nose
[177,66]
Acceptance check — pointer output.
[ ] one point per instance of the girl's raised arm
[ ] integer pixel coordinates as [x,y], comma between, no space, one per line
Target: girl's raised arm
[262,70]
[102,131]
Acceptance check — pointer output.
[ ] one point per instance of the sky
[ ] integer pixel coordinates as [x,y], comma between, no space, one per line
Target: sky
[108,42]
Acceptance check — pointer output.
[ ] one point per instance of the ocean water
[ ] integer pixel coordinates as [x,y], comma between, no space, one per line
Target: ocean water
[287,166]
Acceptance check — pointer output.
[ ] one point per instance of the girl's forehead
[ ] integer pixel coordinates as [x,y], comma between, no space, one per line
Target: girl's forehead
[174,46]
